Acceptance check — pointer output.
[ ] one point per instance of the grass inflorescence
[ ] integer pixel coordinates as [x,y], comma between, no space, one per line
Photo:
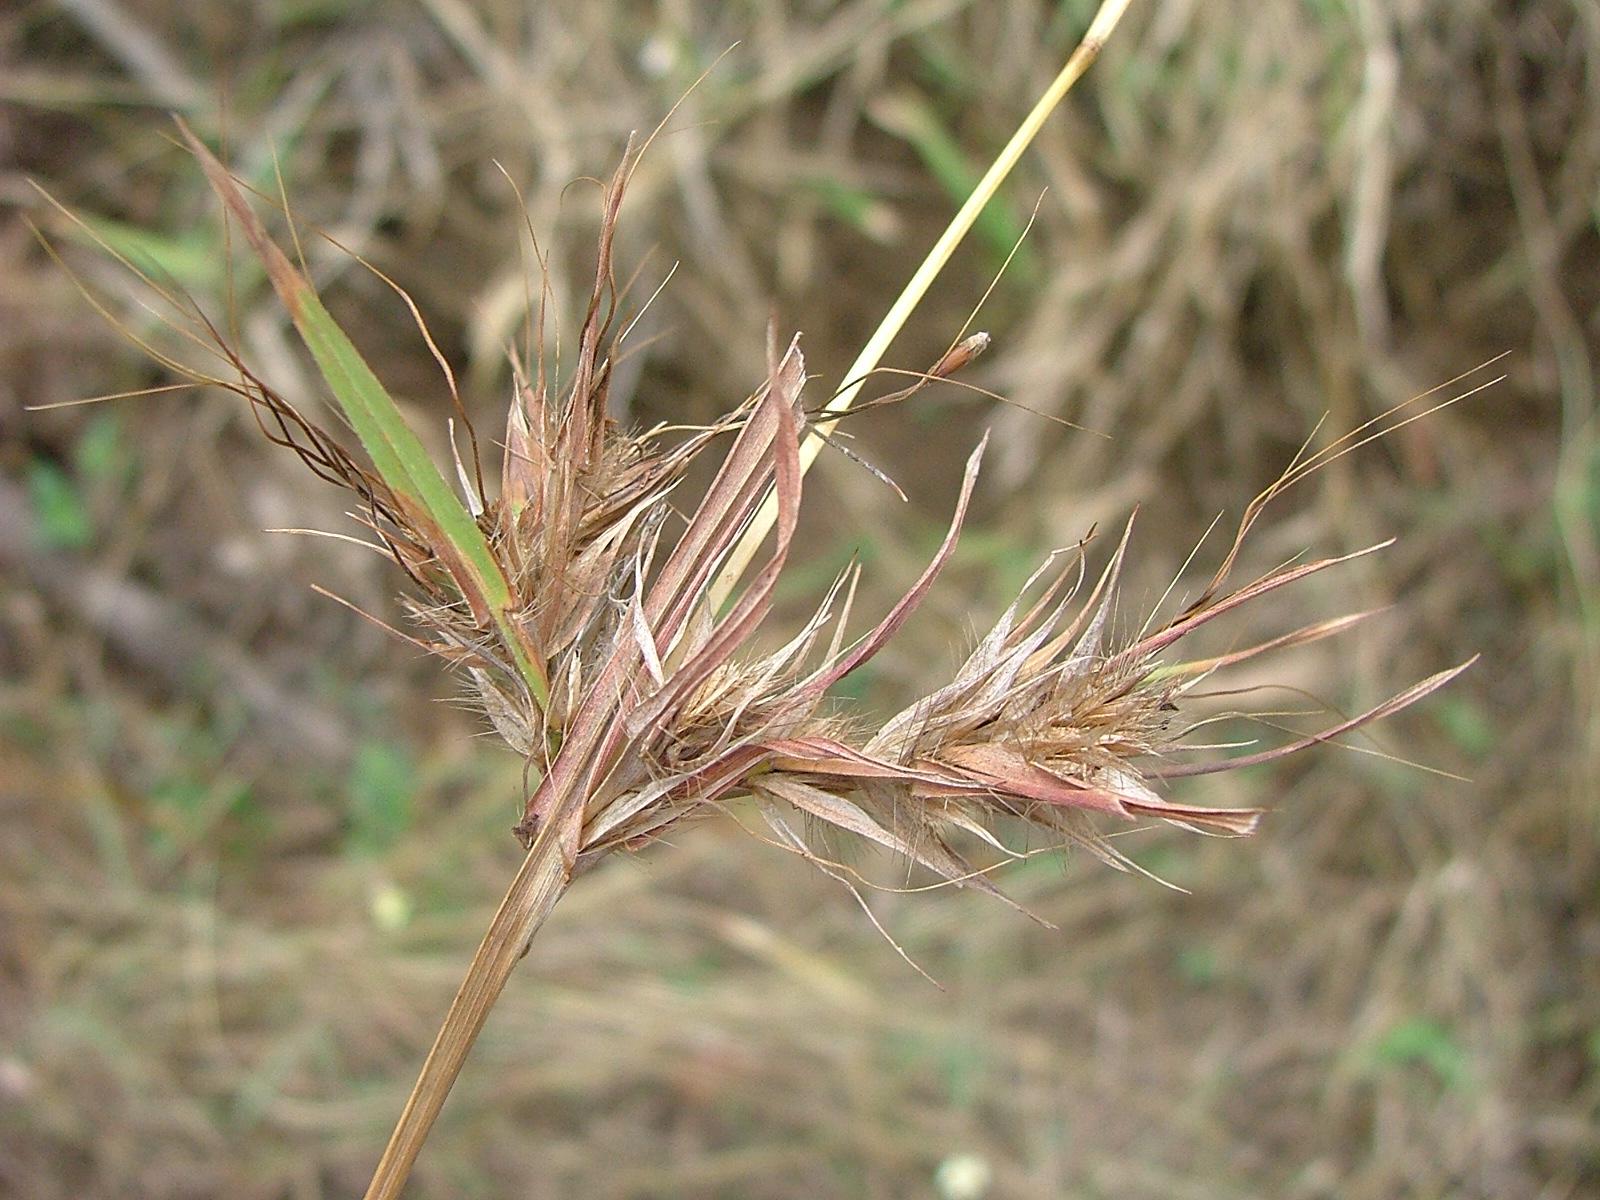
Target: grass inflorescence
[600,619]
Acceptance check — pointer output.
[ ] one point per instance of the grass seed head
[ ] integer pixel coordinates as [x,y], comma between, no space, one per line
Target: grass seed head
[594,635]
[661,708]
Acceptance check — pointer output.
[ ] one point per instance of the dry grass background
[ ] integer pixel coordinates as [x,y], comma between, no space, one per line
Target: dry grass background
[247,849]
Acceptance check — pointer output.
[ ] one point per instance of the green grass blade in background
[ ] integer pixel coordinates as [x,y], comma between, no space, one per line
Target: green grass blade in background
[997,225]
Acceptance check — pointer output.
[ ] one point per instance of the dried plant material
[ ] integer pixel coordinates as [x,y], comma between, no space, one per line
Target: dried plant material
[590,638]
[594,645]
[601,623]
[589,629]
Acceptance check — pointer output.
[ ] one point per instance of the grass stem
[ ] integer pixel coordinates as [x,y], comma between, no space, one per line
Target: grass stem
[532,894]
[1105,20]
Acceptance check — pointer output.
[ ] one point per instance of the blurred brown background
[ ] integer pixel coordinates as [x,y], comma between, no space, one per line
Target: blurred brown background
[248,844]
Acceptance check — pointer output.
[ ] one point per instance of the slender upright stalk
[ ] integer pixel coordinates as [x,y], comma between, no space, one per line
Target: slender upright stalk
[533,893]
[1105,20]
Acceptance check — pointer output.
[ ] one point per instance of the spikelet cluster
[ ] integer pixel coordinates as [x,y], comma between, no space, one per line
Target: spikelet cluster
[659,708]
[655,705]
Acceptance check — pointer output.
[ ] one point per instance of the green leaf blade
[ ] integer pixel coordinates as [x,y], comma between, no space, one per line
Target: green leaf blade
[396,452]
